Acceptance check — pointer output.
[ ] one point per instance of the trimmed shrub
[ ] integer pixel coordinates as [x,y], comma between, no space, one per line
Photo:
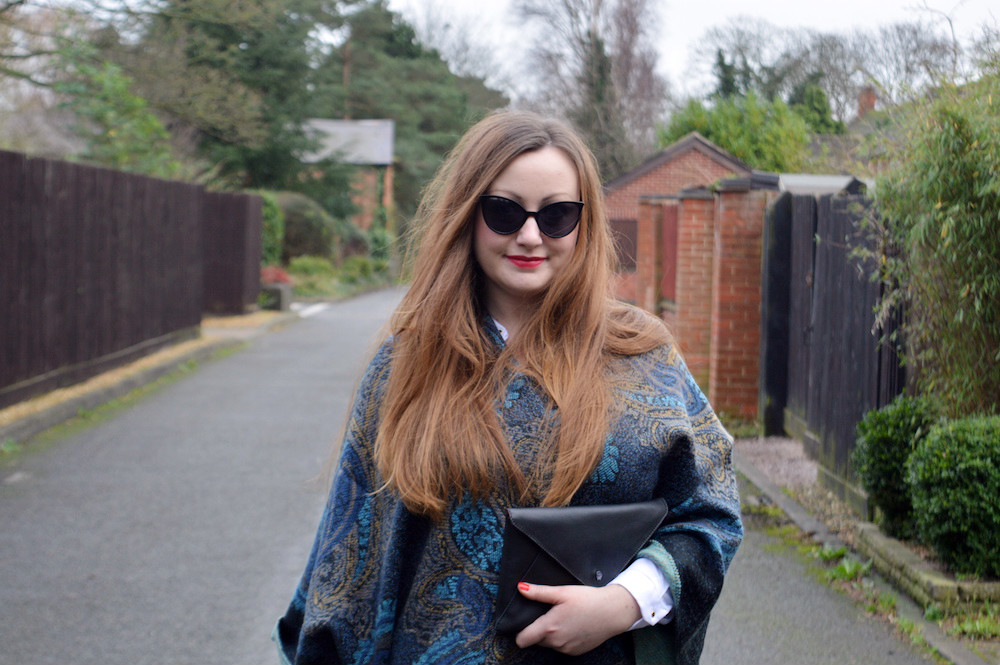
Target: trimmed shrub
[358,269]
[311,266]
[886,437]
[272,229]
[955,482]
[311,231]
[308,228]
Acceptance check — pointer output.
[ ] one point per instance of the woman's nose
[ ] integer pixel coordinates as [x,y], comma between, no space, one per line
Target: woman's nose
[529,234]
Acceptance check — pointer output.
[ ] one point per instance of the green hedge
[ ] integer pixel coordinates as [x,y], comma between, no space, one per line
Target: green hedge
[954,475]
[311,266]
[272,230]
[886,437]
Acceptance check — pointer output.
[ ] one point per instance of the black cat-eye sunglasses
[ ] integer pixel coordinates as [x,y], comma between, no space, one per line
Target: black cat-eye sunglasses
[504,216]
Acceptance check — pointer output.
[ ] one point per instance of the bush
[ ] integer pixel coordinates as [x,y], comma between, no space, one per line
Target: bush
[954,476]
[311,266]
[361,268]
[940,201]
[380,241]
[309,230]
[886,437]
[272,233]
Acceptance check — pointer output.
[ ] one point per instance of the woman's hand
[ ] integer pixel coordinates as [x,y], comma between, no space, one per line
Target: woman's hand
[581,617]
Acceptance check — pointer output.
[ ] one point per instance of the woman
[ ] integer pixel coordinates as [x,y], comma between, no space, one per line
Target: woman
[512,378]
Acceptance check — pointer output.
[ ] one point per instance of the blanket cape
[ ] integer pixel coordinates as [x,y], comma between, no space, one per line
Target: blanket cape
[384,586]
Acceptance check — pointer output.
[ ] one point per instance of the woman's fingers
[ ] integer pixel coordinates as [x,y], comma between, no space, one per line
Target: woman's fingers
[581,617]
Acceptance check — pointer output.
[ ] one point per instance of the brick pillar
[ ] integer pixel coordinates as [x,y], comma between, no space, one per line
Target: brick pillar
[648,245]
[389,198]
[668,263]
[734,362]
[364,195]
[695,244]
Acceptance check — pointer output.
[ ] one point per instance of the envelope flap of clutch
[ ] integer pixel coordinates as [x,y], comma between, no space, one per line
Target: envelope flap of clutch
[593,543]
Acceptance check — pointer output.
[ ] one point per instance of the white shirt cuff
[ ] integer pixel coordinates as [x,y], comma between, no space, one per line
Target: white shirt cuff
[651,591]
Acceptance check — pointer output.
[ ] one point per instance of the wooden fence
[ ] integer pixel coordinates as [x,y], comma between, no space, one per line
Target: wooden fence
[823,367]
[99,267]
[231,233]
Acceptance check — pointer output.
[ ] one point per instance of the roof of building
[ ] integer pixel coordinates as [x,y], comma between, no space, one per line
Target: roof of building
[693,141]
[362,142]
[808,183]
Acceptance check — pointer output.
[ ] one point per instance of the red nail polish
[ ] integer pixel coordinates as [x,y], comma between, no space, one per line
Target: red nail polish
[523,586]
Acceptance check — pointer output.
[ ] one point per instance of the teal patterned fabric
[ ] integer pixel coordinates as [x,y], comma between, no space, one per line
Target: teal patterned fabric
[384,586]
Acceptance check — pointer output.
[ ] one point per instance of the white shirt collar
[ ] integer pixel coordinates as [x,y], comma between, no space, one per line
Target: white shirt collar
[503,331]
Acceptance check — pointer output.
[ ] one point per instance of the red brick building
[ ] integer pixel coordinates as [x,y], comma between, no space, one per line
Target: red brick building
[690,222]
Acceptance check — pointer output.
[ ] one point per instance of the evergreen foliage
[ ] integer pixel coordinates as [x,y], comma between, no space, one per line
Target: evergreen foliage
[268,53]
[120,130]
[311,266]
[765,135]
[810,101]
[598,114]
[886,437]
[594,62]
[725,74]
[312,231]
[382,71]
[272,229]
[939,203]
[238,81]
[955,479]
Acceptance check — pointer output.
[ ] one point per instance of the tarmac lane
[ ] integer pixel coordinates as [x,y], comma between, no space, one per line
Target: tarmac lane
[174,531]
[773,611]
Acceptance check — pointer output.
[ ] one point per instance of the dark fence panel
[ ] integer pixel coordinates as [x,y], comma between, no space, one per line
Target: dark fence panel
[99,267]
[845,371]
[232,232]
[777,271]
[803,231]
[837,369]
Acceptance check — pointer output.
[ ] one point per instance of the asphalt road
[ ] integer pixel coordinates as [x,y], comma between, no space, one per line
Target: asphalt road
[773,611]
[174,532]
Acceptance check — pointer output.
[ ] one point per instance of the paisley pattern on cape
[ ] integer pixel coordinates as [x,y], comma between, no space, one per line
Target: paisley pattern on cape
[383,586]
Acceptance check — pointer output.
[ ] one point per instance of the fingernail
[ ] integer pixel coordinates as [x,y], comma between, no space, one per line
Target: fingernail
[523,586]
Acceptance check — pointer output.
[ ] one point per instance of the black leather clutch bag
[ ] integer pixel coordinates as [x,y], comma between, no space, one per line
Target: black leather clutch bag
[574,545]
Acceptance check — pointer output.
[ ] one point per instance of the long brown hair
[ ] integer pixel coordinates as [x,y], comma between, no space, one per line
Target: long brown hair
[440,434]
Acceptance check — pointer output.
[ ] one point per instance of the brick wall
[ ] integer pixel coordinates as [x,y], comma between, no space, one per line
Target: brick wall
[715,315]
[624,286]
[715,262]
[693,314]
[690,169]
[734,358]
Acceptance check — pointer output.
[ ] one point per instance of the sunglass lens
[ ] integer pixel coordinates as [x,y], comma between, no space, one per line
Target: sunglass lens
[502,215]
[559,219]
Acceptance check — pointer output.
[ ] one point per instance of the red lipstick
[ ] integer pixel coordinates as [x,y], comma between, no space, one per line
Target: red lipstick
[526,262]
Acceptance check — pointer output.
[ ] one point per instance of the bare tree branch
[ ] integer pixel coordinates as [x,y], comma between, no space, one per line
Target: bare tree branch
[575,41]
